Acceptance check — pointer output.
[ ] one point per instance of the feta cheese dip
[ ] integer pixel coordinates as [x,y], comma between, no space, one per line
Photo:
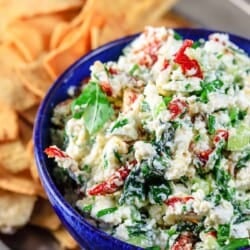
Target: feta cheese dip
[156,146]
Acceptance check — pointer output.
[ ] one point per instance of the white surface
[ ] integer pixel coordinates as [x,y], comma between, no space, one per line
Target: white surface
[225,15]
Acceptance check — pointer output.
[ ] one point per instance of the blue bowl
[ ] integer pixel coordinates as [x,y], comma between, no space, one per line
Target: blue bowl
[88,236]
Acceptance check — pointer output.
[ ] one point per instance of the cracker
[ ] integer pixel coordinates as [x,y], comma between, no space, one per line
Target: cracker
[15,209]
[25,131]
[35,78]
[72,48]
[13,93]
[10,56]
[33,167]
[13,156]
[8,123]
[95,34]
[16,9]
[20,183]
[19,35]
[44,216]
[64,238]
[29,114]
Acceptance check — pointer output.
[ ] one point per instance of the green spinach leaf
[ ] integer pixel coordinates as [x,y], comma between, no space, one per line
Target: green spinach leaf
[93,105]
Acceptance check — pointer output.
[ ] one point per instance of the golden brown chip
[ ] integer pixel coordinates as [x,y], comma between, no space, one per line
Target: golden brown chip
[112,30]
[8,123]
[13,156]
[35,78]
[33,167]
[10,56]
[21,183]
[64,238]
[95,34]
[72,48]
[25,131]
[58,33]
[19,35]
[15,209]
[62,30]
[41,27]
[16,9]
[44,216]
[14,93]
[29,114]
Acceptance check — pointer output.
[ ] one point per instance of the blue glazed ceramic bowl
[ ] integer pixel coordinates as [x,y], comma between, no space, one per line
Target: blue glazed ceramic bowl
[84,233]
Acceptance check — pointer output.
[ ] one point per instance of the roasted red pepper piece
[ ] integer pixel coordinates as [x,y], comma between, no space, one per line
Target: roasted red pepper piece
[183,242]
[165,64]
[105,86]
[177,107]
[113,183]
[212,233]
[150,54]
[112,71]
[132,97]
[186,63]
[220,134]
[54,151]
[204,155]
[173,200]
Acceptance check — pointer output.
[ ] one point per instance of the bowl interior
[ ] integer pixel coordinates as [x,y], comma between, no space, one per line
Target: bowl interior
[58,92]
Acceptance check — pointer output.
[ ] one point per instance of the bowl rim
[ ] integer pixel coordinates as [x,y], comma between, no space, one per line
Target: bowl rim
[44,174]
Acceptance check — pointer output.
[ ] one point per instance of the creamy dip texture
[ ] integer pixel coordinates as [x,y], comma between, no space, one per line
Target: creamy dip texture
[157,143]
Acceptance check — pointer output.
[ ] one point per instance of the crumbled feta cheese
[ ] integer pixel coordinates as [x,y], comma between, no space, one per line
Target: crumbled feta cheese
[143,151]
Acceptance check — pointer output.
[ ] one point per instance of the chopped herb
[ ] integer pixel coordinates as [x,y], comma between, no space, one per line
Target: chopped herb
[145,106]
[159,193]
[118,156]
[222,178]
[185,226]
[188,86]
[105,165]
[171,231]
[86,168]
[93,105]
[223,233]
[153,248]
[134,188]
[197,137]
[197,44]
[167,99]
[241,218]
[87,208]
[80,179]
[214,198]
[233,115]
[219,56]
[242,161]
[177,36]
[237,244]
[211,124]
[208,87]
[140,235]
[160,108]
[106,211]
[119,124]
[236,115]
[106,69]
[134,69]
[96,77]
